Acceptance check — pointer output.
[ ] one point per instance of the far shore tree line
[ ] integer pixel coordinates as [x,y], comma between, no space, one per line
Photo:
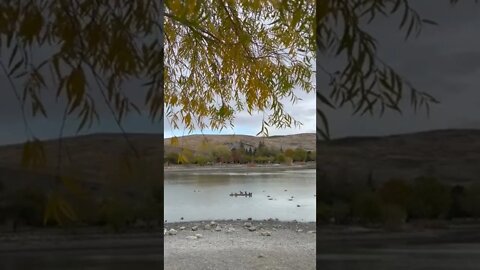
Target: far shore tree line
[222,154]
[424,200]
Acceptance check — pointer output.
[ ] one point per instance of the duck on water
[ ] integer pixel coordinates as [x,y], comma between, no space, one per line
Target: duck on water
[246,194]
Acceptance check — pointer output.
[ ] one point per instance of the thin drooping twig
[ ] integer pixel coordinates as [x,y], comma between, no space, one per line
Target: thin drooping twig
[28,131]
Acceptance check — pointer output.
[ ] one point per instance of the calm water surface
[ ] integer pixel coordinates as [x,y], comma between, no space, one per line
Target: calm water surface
[205,196]
[453,256]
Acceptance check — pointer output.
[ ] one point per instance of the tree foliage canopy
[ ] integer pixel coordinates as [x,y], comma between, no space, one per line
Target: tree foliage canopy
[225,56]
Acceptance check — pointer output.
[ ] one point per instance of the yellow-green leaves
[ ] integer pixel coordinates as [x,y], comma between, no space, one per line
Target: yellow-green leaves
[230,56]
[174,141]
[58,209]
[33,155]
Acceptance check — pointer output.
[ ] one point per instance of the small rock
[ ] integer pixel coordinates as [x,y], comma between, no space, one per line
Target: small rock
[208,227]
[213,223]
[252,228]
[194,228]
[298,205]
[266,233]
[218,228]
[198,235]
[182,228]
[190,237]
[311,232]
[285,190]
[249,218]
[299,230]
[172,232]
[270,199]
[260,256]
[247,224]
[230,230]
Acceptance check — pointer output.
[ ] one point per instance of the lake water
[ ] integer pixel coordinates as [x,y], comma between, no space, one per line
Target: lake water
[205,196]
[465,256]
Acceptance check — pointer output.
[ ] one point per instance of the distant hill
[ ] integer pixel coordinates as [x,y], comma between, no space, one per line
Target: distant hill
[88,154]
[450,155]
[305,141]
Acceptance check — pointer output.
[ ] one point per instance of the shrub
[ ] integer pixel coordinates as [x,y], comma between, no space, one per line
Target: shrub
[367,207]
[324,212]
[396,192]
[26,206]
[471,201]
[394,216]
[341,212]
[430,199]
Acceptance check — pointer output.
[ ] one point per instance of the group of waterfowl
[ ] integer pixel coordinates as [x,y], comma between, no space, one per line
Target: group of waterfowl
[241,193]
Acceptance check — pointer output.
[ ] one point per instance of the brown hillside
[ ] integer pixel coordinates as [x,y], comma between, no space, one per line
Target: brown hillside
[450,155]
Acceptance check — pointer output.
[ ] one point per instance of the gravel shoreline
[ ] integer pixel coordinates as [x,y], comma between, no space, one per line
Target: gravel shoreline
[236,168]
[240,244]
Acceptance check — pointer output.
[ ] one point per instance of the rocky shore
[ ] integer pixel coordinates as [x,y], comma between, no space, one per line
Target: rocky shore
[236,168]
[239,244]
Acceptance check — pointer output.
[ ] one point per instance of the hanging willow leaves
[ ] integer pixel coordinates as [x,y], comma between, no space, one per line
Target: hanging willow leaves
[364,81]
[58,209]
[223,57]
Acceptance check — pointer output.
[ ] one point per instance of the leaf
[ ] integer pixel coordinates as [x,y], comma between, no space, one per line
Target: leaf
[174,141]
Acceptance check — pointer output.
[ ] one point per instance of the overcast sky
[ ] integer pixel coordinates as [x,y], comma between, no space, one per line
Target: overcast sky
[444,61]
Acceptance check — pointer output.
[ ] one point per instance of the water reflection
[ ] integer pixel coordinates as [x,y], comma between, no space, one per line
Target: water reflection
[206,195]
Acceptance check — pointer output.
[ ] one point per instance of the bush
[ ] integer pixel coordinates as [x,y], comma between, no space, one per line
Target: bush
[26,206]
[430,199]
[471,201]
[117,214]
[367,207]
[341,212]
[396,192]
[394,216]
[324,212]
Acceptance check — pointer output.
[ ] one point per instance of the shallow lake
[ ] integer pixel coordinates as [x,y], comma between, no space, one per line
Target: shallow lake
[465,256]
[205,195]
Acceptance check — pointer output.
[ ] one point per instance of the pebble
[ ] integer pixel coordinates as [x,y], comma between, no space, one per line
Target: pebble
[198,235]
[213,223]
[311,232]
[230,230]
[194,228]
[190,237]
[172,232]
[182,228]
[252,228]
[299,230]
[247,224]
[266,233]
[218,228]
[208,227]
